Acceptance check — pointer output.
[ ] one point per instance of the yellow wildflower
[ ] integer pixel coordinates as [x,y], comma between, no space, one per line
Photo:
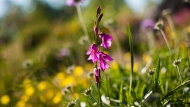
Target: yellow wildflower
[5,99]
[78,71]
[42,85]
[57,98]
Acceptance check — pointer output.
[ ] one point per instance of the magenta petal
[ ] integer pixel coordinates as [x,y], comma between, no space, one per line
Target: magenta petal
[93,52]
[108,58]
[106,40]
[102,60]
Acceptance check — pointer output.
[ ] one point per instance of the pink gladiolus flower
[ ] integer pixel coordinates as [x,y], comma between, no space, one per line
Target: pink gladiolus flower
[93,52]
[106,40]
[102,60]
[97,74]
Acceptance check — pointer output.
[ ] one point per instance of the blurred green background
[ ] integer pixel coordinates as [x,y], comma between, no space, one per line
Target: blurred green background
[42,47]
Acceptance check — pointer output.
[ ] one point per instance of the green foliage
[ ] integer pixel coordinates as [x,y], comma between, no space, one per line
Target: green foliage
[43,52]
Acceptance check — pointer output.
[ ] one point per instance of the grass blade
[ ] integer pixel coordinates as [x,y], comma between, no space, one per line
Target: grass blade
[156,76]
[132,58]
[131,47]
[174,90]
[188,60]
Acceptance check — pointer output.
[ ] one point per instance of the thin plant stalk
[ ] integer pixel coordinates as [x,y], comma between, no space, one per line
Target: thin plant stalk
[170,22]
[74,96]
[81,19]
[117,44]
[94,98]
[179,73]
[98,87]
[164,36]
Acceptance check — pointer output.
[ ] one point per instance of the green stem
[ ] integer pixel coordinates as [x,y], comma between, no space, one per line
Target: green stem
[179,73]
[131,79]
[98,87]
[74,96]
[81,19]
[166,41]
[94,98]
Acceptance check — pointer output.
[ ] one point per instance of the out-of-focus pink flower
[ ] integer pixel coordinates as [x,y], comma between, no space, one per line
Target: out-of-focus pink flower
[147,24]
[62,53]
[182,17]
[73,2]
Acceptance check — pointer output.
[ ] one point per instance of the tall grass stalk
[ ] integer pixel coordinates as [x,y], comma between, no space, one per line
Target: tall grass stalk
[81,19]
[164,36]
[132,58]
[179,73]
[98,87]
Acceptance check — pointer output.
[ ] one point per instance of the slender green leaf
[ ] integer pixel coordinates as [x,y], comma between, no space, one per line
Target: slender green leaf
[131,46]
[174,90]
[132,58]
[121,92]
[188,60]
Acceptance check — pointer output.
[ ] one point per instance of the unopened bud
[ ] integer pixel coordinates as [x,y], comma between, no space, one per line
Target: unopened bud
[100,17]
[151,71]
[88,91]
[71,104]
[177,62]
[98,11]
[159,25]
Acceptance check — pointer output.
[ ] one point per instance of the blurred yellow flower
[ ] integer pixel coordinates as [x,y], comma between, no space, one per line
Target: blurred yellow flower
[135,66]
[188,29]
[68,80]
[114,65]
[57,98]
[5,99]
[146,57]
[76,95]
[127,56]
[27,82]
[24,98]
[88,67]
[41,86]
[78,71]
[20,104]
[60,75]
[49,94]
[29,90]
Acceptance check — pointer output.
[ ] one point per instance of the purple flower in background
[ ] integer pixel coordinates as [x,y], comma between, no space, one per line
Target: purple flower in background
[97,74]
[73,2]
[93,52]
[147,24]
[62,53]
[106,40]
[102,60]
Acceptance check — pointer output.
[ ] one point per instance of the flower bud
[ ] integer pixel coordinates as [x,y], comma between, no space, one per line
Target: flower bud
[98,11]
[176,62]
[151,71]
[95,29]
[100,17]
[159,25]
[71,104]
[88,91]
